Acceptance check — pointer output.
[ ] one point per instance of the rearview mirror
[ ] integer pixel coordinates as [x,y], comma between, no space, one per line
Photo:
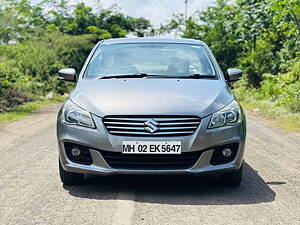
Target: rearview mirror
[234,74]
[68,74]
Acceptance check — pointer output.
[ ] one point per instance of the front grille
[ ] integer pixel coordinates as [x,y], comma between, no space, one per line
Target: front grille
[151,125]
[119,160]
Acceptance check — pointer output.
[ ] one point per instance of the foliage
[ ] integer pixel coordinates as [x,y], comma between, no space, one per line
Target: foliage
[29,68]
[21,20]
[282,90]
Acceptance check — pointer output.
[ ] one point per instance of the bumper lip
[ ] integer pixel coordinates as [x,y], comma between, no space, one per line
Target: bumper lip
[92,169]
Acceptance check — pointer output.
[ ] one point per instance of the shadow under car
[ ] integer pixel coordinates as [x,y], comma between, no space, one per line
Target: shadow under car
[176,190]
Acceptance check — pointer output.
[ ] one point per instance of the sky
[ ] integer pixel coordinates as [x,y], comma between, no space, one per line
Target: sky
[157,11]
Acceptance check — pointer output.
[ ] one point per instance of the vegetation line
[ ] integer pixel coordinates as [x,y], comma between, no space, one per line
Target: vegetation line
[29,107]
[277,116]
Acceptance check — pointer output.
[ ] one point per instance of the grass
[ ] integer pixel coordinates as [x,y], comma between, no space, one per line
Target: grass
[278,116]
[29,107]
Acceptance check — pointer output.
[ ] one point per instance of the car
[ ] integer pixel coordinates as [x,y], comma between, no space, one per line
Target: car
[151,106]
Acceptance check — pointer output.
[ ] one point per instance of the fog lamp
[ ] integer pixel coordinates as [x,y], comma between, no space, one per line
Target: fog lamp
[75,152]
[227,152]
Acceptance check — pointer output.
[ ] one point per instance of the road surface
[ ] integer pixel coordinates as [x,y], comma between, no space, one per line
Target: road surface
[31,192]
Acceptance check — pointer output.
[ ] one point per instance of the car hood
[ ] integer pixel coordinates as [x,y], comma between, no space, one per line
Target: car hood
[148,96]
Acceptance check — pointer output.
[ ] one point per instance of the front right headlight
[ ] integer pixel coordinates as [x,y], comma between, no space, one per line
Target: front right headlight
[230,115]
[74,115]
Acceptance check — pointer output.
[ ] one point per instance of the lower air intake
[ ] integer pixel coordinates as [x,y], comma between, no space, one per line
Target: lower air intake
[137,161]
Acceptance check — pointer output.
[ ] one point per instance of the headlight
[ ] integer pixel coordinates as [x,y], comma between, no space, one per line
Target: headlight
[230,115]
[74,115]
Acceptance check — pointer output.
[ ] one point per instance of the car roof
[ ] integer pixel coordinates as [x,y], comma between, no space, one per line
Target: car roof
[151,40]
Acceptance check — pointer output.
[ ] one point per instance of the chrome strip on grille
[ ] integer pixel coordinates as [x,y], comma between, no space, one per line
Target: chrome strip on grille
[152,125]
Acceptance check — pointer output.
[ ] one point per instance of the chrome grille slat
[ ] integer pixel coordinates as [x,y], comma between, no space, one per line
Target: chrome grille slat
[146,118]
[178,128]
[142,128]
[163,125]
[173,124]
[125,123]
[154,134]
[125,128]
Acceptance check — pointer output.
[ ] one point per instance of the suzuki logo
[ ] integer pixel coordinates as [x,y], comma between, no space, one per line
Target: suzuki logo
[151,126]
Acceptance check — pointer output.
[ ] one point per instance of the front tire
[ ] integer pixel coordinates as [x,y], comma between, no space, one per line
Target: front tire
[232,179]
[69,178]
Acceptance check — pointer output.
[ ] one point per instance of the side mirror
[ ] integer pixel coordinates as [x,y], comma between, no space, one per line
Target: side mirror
[68,74]
[234,74]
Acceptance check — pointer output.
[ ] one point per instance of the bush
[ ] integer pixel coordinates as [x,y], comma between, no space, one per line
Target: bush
[282,89]
[30,68]
[16,97]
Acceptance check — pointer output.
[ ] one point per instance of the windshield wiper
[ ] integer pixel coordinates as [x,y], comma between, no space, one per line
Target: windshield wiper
[198,76]
[135,75]
[142,75]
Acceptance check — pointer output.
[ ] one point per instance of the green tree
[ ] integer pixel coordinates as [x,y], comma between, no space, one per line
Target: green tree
[20,20]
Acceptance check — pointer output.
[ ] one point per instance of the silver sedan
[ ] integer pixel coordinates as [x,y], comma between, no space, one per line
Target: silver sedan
[151,106]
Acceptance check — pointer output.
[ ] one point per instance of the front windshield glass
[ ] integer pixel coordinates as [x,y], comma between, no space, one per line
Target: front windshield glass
[174,60]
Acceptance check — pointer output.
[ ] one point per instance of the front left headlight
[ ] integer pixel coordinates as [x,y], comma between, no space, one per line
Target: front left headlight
[74,115]
[230,115]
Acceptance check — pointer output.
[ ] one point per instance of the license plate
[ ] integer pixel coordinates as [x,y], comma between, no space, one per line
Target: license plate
[151,147]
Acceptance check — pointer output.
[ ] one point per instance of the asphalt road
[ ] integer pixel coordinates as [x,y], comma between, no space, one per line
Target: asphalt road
[31,192]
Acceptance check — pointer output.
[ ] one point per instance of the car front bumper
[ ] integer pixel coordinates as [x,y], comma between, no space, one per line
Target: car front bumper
[99,139]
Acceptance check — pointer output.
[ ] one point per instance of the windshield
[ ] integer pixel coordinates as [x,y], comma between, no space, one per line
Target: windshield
[172,60]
